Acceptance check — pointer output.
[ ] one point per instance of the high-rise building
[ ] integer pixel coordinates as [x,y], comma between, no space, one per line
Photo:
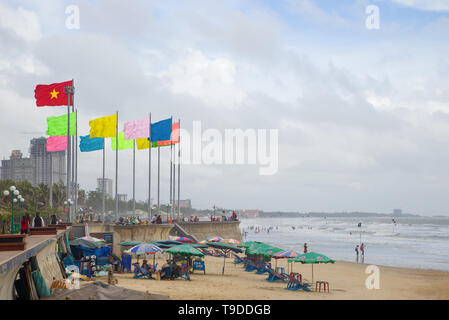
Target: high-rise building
[17,168]
[122,197]
[108,186]
[41,167]
[49,167]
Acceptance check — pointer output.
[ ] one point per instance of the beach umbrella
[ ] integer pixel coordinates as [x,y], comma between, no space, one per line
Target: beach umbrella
[184,250]
[202,241]
[286,254]
[130,243]
[312,258]
[214,239]
[247,244]
[145,248]
[225,248]
[231,241]
[184,240]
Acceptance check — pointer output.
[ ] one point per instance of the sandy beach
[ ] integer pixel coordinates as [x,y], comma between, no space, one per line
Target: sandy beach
[347,281]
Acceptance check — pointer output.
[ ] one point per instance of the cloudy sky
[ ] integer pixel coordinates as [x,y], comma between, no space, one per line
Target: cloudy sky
[362,115]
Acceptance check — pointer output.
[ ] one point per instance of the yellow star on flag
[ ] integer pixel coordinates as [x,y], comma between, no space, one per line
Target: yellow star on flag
[54,94]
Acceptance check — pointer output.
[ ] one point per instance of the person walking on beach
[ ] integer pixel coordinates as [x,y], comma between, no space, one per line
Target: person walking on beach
[357,253]
[305,247]
[362,250]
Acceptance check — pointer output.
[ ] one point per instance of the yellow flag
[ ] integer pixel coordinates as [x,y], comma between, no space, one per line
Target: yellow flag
[105,127]
[142,143]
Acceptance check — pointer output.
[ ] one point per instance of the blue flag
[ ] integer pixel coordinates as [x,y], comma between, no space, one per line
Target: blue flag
[87,144]
[161,131]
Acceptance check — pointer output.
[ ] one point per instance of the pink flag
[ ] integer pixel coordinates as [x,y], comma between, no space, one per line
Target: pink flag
[56,143]
[137,129]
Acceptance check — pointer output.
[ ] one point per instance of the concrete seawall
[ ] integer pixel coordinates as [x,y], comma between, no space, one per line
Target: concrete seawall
[204,229]
[148,233]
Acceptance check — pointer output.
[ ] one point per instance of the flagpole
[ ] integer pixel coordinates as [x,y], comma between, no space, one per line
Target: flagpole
[134,176]
[171,170]
[76,161]
[68,91]
[149,167]
[51,180]
[116,168]
[179,168]
[174,183]
[158,179]
[104,187]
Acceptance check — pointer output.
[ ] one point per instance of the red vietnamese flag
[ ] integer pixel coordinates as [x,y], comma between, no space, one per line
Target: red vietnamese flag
[52,94]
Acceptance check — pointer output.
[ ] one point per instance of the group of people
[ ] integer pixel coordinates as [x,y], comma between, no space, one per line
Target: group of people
[362,253]
[37,221]
[156,219]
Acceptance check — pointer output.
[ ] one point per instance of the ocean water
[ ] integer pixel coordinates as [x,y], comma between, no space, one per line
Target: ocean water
[414,242]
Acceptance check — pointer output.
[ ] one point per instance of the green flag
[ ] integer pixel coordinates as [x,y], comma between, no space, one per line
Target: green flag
[57,126]
[122,143]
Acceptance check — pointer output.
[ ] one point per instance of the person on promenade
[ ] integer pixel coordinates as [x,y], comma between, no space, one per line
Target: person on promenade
[362,251]
[53,219]
[305,247]
[38,221]
[357,253]
[24,225]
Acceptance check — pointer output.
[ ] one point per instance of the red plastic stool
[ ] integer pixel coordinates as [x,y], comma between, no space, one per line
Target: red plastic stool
[318,286]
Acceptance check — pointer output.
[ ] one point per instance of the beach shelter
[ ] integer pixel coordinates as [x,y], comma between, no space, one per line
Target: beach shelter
[144,249]
[312,258]
[184,250]
[225,248]
[286,254]
[85,243]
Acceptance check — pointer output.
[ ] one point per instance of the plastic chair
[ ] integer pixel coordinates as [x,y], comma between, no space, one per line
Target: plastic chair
[126,262]
[199,265]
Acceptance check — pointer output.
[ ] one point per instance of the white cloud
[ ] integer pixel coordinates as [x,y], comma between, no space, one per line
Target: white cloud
[210,80]
[429,5]
[20,22]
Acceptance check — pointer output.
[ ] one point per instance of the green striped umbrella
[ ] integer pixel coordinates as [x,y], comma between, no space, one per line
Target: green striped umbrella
[184,250]
[312,258]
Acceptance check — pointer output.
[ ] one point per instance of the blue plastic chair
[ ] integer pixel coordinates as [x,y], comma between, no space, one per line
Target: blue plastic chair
[199,265]
[126,262]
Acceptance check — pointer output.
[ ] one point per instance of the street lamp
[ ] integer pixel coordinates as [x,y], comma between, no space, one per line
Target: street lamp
[15,197]
[68,203]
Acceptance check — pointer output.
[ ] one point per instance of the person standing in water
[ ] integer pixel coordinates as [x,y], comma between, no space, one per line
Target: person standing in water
[362,251]
[357,253]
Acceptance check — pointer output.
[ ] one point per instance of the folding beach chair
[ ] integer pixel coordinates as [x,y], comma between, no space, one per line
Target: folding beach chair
[237,259]
[261,268]
[275,276]
[295,284]
[139,273]
[250,266]
[184,274]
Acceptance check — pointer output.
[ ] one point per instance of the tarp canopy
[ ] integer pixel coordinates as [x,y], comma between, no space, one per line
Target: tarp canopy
[81,251]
